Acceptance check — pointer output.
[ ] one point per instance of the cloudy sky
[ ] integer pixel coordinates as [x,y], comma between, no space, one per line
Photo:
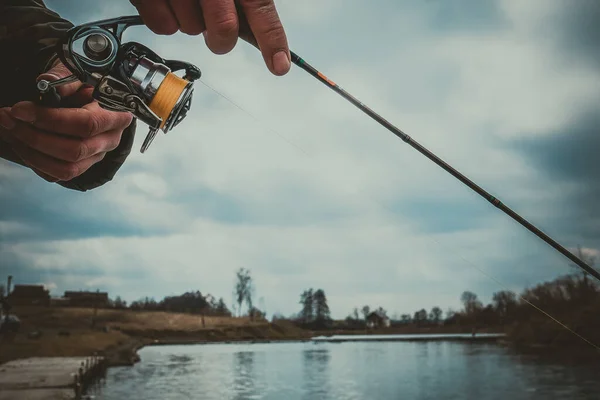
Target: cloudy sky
[306,191]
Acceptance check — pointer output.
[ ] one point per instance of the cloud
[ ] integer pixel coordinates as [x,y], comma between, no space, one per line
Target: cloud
[306,191]
[567,157]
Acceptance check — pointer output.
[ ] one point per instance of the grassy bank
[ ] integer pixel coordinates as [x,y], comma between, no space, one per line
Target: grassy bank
[117,334]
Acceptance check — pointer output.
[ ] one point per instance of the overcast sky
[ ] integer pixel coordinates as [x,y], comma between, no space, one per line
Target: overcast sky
[307,191]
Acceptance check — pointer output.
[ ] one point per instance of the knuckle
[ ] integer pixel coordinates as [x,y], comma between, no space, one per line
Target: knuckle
[126,119]
[273,32]
[92,124]
[114,143]
[70,171]
[81,151]
[227,26]
[270,26]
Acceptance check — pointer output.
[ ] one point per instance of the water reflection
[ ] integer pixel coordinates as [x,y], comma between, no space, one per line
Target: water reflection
[244,379]
[316,373]
[350,371]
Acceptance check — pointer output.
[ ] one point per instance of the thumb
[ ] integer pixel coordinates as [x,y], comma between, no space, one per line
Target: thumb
[59,71]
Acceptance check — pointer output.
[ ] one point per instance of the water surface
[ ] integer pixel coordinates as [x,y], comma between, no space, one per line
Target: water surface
[354,371]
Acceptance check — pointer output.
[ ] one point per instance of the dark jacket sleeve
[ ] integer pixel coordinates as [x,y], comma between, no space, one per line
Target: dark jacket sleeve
[28,32]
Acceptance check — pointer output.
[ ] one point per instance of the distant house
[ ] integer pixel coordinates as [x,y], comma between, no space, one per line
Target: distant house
[377,320]
[60,302]
[87,299]
[29,295]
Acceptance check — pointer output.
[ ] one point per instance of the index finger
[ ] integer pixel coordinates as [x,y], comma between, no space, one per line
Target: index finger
[83,122]
[269,33]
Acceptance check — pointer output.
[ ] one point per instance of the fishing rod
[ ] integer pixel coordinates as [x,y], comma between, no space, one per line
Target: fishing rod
[300,62]
[131,77]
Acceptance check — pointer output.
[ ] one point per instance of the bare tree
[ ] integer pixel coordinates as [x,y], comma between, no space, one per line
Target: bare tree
[471,302]
[589,260]
[366,310]
[244,289]
[436,315]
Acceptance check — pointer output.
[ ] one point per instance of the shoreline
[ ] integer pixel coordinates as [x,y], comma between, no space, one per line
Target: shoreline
[129,356]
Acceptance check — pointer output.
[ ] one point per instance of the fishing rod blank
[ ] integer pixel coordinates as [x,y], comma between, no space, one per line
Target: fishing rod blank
[496,202]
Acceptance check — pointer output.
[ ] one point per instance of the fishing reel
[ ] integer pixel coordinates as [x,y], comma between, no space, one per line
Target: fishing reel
[125,76]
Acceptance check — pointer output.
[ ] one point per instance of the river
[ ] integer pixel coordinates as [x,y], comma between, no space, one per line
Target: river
[424,370]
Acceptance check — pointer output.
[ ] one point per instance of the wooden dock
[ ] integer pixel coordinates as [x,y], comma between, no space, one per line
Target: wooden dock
[49,378]
[420,337]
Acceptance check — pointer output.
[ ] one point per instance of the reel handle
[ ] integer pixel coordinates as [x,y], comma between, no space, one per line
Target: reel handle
[49,96]
[50,99]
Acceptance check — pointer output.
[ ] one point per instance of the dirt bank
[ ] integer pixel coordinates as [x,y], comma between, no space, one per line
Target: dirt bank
[118,334]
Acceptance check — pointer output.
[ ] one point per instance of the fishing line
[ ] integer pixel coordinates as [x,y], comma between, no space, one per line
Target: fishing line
[384,207]
[253,117]
[469,183]
[529,302]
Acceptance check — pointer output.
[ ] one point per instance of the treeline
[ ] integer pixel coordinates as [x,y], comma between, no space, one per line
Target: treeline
[194,302]
[572,299]
[189,302]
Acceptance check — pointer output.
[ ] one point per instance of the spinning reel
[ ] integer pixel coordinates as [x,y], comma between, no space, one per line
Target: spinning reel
[126,77]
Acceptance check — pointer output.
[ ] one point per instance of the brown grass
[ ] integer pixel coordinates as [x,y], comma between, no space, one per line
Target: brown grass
[56,317]
[126,330]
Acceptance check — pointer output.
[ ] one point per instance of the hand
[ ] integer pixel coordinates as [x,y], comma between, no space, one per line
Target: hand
[60,144]
[222,22]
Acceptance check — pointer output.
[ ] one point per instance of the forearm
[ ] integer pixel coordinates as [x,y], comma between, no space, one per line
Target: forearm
[28,33]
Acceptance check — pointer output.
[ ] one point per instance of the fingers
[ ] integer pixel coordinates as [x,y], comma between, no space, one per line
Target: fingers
[270,35]
[157,16]
[84,122]
[55,157]
[222,25]
[51,168]
[66,148]
[189,16]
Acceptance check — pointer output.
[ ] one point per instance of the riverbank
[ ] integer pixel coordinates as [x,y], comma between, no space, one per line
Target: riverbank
[117,335]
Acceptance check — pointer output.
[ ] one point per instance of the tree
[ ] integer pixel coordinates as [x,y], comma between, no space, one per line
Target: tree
[366,310]
[589,260]
[243,289]
[2,291]
[307,302]
[436,315]
[381,311]
[470,302]
[221,309]
[355,314]
[322,313]
[420,316]
[405,318]
[504,303]
[119,303]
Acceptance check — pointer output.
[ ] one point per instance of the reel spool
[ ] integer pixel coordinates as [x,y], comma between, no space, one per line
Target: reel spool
[126,77]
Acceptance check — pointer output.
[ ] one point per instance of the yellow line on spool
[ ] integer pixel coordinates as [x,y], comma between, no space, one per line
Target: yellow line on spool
[167,95]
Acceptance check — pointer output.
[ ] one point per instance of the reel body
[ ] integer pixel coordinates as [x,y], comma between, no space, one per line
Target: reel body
[125,76]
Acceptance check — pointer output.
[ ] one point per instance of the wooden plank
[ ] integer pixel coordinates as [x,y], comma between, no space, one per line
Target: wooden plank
[37,394]
[52,372]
